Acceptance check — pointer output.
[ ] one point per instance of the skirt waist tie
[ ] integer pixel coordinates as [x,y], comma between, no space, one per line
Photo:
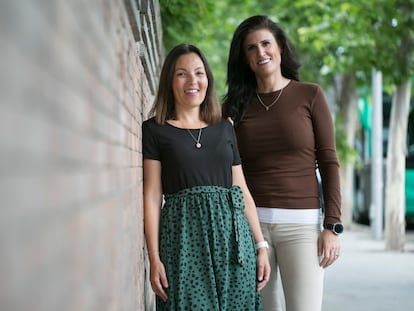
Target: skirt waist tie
[237,205]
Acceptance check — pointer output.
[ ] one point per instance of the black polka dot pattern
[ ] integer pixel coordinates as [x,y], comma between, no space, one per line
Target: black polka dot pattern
[208,251]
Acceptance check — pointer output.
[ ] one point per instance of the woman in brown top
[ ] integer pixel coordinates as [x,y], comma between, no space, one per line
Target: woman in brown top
[285,131]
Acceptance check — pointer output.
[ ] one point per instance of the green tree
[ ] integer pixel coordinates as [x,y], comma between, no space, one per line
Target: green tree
[396,61]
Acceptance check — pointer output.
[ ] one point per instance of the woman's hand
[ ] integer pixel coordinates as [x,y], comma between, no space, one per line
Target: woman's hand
[328,247]
[158,278]
[263,268]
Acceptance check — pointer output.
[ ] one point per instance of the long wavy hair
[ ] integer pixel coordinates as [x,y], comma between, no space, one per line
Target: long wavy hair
[241,80]
[164,104]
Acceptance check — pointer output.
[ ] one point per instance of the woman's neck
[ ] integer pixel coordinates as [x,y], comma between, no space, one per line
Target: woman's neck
[271,84]
[187,119]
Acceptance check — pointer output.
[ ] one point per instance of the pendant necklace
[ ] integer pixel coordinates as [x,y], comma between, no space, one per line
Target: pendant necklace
[197,141]
[274,102]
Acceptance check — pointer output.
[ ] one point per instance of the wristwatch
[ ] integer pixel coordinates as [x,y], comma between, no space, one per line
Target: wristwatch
[337,228]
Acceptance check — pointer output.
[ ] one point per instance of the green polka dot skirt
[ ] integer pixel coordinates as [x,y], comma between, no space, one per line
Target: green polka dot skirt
[208,251]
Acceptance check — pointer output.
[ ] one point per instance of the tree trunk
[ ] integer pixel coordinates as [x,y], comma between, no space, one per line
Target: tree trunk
[395,177]
[348,107]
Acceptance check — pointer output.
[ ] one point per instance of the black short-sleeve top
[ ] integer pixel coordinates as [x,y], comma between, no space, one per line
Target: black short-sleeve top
[185,166]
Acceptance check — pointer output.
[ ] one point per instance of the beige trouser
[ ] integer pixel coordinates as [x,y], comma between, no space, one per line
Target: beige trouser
[293,248]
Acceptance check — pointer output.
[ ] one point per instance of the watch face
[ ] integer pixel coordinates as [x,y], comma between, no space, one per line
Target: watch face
[338,228]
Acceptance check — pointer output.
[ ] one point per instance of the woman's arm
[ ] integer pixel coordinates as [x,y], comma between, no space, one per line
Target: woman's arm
[263,271]
[152,212]
[328,244]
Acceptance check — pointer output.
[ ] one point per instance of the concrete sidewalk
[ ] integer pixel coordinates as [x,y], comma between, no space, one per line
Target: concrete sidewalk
[366,278]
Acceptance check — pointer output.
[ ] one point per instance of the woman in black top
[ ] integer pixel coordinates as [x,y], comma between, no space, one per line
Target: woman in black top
[201,241]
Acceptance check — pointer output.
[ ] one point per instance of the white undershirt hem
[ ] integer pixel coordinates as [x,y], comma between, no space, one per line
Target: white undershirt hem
[289,216]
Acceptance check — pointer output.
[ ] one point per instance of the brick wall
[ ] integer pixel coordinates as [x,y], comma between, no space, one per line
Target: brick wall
[76,80]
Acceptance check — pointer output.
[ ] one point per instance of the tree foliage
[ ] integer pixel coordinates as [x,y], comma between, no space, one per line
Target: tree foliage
[331,36]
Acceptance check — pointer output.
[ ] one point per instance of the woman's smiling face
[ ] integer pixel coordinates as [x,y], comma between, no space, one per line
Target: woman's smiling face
[190,81]
[262,52]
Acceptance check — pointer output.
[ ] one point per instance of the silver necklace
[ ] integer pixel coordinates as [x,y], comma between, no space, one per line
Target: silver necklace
[197,141]
[274,102]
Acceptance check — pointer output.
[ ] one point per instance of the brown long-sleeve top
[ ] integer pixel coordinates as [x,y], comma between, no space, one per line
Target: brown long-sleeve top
[279,149]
